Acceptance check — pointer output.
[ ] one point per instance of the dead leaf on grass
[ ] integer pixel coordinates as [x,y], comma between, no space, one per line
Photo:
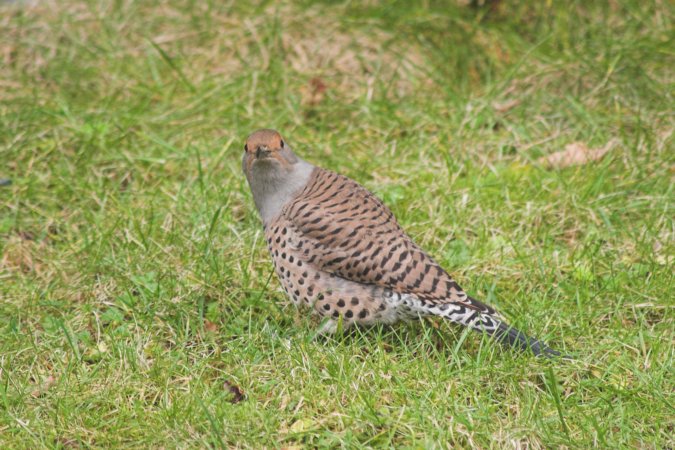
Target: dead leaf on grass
[236,391]
[576,153]
[26,235]
[505,106]
[313,92]
[210,326]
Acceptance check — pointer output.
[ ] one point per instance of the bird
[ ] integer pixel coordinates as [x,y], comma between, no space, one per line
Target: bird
[338,250]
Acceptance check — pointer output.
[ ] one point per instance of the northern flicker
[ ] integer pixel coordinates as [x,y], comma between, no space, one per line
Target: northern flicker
[339,250]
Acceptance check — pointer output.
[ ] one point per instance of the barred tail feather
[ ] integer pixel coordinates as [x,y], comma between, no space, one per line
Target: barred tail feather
[486,321]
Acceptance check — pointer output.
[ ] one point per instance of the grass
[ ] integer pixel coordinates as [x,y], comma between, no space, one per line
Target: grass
[137,300]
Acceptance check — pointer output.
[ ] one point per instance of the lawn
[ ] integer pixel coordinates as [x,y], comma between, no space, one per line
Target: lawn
[138,307]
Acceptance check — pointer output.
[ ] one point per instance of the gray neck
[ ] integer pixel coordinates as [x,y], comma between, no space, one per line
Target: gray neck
[273,187]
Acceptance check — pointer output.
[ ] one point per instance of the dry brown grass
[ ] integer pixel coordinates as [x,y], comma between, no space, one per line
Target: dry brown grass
[308,40]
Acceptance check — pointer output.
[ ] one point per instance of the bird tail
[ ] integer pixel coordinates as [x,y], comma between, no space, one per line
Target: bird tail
[514,338]
[484,319]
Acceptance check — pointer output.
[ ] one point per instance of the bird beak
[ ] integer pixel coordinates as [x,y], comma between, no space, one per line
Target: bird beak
[262,152]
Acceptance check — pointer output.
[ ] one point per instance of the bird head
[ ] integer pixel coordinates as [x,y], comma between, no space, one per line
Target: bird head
[266,151]
[274,173]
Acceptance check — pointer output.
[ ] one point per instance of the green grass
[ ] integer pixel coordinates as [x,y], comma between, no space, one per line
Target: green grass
[136,296]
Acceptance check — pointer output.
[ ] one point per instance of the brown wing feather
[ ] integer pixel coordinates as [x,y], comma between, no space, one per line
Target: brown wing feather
[343,229]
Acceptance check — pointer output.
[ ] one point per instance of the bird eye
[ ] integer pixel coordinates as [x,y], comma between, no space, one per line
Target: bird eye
[282,143]
[245,147]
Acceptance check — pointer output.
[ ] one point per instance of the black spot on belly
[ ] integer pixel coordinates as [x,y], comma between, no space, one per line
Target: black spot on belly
[341,303]
[363,314]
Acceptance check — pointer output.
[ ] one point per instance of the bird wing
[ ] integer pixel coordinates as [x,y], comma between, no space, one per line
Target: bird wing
[341,228]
